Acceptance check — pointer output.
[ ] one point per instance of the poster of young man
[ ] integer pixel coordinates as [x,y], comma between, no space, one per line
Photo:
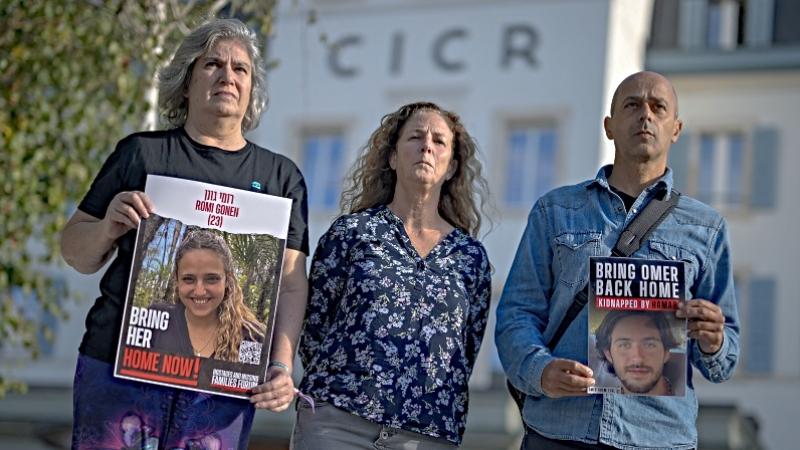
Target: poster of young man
[637,346]
[203,289]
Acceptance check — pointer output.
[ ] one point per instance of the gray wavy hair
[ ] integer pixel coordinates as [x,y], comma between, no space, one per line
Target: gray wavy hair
[173,80]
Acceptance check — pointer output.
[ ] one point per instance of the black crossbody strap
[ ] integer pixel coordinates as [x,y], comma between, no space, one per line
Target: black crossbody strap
[629,241]
[640,228]
[574,309]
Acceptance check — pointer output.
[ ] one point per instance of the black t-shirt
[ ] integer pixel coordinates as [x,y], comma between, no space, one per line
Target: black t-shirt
[628,200]
[175,340]
[173,153]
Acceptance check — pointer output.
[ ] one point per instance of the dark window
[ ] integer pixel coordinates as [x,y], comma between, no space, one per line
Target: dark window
[787,17]
[664,29]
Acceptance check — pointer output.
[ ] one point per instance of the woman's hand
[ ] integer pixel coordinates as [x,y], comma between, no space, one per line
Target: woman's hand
[125,211]
[277,393]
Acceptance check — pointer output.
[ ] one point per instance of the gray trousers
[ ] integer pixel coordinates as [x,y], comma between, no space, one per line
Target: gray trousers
[330,428]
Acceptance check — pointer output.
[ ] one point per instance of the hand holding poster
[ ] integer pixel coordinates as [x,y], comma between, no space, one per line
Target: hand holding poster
[203,288]
[637,345]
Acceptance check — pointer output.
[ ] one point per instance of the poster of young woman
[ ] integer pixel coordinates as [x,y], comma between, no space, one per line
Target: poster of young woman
[203,290]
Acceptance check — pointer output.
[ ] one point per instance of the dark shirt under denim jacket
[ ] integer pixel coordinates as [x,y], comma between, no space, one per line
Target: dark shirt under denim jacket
[566,227]
[390,336]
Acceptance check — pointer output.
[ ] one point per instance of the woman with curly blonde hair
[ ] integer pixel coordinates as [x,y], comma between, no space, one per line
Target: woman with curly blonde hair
[213,310]
[399,293]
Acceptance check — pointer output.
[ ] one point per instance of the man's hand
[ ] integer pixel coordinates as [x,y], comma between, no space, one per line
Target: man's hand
[277,393]
[125,211]
[566,378]
[706,323]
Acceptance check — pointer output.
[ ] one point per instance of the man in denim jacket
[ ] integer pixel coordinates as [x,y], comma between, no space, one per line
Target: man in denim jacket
[570,224]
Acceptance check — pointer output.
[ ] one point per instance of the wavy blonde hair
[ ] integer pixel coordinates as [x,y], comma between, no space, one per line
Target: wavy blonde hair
[233,313]
[371,181]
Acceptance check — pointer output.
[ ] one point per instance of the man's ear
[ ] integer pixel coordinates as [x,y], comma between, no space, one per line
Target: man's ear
[608,357]
[676,133]
[607,127]
[667,354]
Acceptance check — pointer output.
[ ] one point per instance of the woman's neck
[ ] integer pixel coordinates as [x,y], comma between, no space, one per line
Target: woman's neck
[223,134]
[210,322]
[421,220]
[418,210]
[203,333]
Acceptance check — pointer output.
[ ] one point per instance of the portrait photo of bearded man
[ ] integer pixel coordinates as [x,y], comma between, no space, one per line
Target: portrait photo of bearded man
[636,348]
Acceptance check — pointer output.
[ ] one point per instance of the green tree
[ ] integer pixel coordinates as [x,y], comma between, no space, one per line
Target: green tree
[76,77]
[258,256]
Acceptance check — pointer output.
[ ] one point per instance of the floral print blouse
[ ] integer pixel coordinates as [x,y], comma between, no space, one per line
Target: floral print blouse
[390,336]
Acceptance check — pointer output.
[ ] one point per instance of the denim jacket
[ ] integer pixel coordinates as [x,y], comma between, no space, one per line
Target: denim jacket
[566,227]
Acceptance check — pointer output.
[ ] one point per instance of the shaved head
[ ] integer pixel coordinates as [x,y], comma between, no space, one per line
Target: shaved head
[639,76]
[644,121]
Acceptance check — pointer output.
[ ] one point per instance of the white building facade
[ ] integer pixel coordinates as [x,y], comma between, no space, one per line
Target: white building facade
[532,80]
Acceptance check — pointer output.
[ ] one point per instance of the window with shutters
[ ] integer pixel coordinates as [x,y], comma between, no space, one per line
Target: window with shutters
[322,163]
[730,169]
[725,24]
[720,169]
[530,162]
[757,303]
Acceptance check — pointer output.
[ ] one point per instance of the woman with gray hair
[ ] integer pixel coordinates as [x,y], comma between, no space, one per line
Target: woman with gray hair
[211,93]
